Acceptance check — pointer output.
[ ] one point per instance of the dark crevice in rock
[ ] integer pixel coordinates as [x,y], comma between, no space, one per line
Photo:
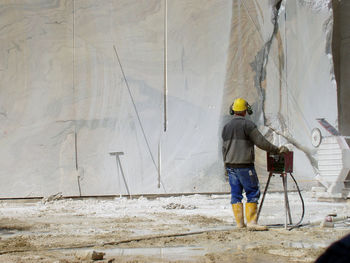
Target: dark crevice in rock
[259,66]
[261,59]
[278,5]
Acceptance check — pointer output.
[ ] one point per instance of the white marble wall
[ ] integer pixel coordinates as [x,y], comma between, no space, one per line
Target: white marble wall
[106,120]
[36,98]
[305,88]
[64,103]
[312,91]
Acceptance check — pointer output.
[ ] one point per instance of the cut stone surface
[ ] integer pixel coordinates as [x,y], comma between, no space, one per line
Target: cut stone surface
[80,79]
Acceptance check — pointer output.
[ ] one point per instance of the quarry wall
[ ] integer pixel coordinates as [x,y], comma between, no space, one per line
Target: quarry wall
[153,80]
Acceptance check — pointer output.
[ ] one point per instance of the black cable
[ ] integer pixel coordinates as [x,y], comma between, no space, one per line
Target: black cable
[303,210]
[302,203]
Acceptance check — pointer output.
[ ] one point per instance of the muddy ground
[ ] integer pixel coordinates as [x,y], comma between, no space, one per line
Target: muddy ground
[182,229]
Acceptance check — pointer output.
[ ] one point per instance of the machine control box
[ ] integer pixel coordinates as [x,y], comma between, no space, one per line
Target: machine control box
[280,163]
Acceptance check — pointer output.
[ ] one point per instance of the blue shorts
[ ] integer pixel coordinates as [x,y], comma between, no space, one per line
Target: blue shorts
[243,178]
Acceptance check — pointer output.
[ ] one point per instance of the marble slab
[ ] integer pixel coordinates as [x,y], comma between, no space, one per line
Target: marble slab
[80,79]
[36,95]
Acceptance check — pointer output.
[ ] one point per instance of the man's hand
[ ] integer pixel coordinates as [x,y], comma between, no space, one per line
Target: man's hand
[283,149]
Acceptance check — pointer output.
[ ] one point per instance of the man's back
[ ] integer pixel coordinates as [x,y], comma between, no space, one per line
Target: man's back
[239,137]
[237,146]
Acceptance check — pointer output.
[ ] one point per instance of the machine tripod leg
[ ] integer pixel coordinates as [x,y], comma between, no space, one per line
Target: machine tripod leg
[263,197]
[286,201]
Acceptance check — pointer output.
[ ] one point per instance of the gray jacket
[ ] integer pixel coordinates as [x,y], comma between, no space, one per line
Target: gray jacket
[239,137]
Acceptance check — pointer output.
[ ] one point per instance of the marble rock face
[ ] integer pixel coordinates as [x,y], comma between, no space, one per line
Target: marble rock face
[153,80]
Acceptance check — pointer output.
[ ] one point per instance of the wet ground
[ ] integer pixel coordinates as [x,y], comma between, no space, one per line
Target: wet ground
[196,228]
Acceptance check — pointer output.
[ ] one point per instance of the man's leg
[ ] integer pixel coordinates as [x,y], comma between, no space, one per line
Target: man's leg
[236,196]
[250,182]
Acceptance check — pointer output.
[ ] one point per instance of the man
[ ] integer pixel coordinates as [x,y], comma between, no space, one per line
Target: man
[239,137]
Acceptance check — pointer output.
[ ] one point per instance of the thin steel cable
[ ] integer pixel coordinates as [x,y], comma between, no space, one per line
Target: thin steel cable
[137,114]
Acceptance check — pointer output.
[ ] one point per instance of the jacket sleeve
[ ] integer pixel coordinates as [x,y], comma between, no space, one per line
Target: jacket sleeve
[223,144]
[260,141]
[223,152]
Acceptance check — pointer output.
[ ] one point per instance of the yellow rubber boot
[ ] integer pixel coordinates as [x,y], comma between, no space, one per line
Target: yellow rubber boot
[251,210]
[238,213]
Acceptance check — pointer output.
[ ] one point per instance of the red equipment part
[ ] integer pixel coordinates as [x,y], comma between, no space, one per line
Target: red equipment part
[280,163]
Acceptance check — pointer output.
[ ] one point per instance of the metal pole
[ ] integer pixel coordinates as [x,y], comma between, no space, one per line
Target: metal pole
[159,162]
[165,91]
[121,169]
[285,198]
[117,154]
[288,207]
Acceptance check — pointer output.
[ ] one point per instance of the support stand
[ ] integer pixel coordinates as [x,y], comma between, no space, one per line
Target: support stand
[286,201]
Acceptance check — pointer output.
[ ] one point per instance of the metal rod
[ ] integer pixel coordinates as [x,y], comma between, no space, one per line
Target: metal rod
[165,92]
[286,64]
[285,199]
[288,207]
[76,160]
[114,243]
[121,169]
[117,154]
[75,124]
[263,198]
[159,162]
[76,150]
[137,114]
[78,179]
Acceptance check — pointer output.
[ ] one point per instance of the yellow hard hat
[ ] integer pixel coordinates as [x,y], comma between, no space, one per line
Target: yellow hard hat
[240,105]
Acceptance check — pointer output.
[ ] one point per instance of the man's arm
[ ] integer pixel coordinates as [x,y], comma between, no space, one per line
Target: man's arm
[260,141]
[223,144]
[223,152]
